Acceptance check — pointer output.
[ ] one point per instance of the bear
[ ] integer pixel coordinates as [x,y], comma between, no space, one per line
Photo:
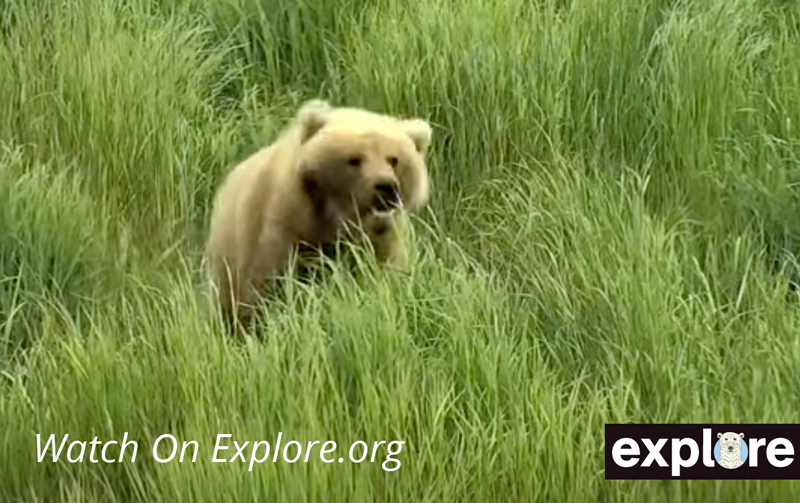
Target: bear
[730,449]
[332,171]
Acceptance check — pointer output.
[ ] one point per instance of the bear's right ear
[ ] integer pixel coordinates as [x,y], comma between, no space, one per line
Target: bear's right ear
[312,117]
[719,435]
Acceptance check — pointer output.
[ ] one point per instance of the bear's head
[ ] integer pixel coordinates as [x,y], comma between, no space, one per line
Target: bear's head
[356,163]
[730,442]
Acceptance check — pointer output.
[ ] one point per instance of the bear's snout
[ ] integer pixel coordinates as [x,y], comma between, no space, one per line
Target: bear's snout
[387,195]
[730,448]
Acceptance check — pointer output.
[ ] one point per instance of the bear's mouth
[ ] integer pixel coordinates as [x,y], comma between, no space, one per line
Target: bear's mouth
[382,204]
[382,213]
[730,448]
[380,209]
[387,197]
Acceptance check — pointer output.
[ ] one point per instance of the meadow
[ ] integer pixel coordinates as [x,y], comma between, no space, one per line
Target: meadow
[612,237]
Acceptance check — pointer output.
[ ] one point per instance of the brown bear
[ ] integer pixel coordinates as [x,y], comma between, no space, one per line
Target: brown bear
[333,170]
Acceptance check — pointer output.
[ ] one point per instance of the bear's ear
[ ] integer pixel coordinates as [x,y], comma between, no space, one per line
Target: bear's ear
[420,133]
[719,435]
[313,115]
[741,435]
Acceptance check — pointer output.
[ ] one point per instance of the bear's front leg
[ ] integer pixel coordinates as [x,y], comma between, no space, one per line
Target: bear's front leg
[266,262]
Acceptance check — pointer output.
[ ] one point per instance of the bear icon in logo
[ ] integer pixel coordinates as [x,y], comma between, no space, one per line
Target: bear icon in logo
[730,451]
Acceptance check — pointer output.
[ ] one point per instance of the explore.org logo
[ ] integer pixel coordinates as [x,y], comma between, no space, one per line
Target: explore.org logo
[701,451]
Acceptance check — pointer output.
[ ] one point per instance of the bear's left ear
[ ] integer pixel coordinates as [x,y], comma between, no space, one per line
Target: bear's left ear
[420,132]
[312,117]
[741,435]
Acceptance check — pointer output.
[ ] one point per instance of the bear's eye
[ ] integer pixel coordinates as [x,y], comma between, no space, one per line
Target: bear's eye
[354,161]
[392,161]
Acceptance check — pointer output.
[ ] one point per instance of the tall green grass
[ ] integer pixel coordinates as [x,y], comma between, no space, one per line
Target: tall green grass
[612,238]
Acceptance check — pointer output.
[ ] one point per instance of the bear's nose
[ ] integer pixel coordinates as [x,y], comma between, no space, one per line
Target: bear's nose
[387,195]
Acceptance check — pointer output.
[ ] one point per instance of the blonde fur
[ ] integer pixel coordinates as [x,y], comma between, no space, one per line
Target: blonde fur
[301,190]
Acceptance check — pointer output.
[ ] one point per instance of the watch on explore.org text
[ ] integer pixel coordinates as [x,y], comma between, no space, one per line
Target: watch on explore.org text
[226,449]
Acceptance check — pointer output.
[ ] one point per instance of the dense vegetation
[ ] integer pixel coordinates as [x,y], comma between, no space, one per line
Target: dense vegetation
[612,238]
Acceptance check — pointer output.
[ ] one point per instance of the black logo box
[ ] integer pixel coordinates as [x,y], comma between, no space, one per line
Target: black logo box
[699,471]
